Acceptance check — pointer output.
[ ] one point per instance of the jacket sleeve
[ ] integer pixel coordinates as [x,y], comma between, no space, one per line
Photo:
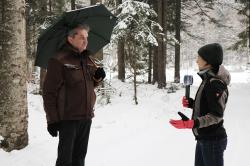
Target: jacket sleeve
[52,83]
[216,95]
[94,67]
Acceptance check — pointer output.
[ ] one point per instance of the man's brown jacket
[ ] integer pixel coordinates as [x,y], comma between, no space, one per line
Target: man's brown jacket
[68,90]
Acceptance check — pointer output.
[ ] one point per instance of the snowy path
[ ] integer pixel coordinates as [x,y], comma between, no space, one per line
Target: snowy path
[238,125]
[157,143]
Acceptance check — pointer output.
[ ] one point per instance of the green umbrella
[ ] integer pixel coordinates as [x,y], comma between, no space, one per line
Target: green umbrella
[100,20]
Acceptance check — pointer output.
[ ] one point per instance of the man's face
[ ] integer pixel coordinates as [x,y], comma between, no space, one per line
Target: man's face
[80,40]
[202,64]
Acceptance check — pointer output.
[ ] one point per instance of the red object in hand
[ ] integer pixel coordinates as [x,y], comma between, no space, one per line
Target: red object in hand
[185,102]
[180,124]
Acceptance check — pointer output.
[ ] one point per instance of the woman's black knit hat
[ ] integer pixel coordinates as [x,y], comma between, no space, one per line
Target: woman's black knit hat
[212,54]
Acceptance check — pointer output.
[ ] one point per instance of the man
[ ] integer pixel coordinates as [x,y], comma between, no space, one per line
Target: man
[208,107]
[69,97]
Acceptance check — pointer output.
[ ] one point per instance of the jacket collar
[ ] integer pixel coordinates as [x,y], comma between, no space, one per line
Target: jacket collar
[73,51]
[206,73]
[68,48]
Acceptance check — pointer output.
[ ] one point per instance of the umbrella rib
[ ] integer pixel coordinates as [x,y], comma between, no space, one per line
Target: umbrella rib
[100,36]
[100,16]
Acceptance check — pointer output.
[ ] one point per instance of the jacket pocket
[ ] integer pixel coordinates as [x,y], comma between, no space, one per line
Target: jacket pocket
[73,76]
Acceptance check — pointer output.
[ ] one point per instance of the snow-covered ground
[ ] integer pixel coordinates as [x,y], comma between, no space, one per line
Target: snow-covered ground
[124,134]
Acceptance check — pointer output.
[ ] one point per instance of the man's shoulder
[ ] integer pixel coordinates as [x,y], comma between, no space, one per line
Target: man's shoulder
[62,56]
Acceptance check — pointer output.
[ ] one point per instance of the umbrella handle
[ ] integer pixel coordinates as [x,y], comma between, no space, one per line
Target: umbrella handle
[95,65]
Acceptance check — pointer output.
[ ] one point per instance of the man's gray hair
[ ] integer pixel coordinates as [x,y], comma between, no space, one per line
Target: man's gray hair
[73,31]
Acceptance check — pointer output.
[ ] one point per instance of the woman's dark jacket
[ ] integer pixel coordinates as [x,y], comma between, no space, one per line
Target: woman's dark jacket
[210,103]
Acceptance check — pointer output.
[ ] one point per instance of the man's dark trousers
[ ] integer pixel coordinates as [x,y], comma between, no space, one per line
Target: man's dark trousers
[210,152]
[73,142]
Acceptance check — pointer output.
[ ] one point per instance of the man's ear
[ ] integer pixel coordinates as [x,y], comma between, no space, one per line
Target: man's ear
[70,39]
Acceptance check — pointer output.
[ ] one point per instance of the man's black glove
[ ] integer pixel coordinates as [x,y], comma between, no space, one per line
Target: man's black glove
[53,128]
[99,73]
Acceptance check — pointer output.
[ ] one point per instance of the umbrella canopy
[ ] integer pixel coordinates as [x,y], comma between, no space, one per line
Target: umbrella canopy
[100,20]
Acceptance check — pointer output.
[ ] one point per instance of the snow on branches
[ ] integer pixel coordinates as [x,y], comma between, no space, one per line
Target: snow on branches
[135,22]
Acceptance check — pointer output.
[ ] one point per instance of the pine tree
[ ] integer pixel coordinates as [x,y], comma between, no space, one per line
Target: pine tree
[99,54]
[159,53]
[49,16]
[244,36]
[120,53]
[13,75]
[73,4]
[161,57]
[178,37]
[137,30]
[36,13]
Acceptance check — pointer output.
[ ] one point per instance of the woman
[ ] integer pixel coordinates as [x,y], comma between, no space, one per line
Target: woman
[208,107]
